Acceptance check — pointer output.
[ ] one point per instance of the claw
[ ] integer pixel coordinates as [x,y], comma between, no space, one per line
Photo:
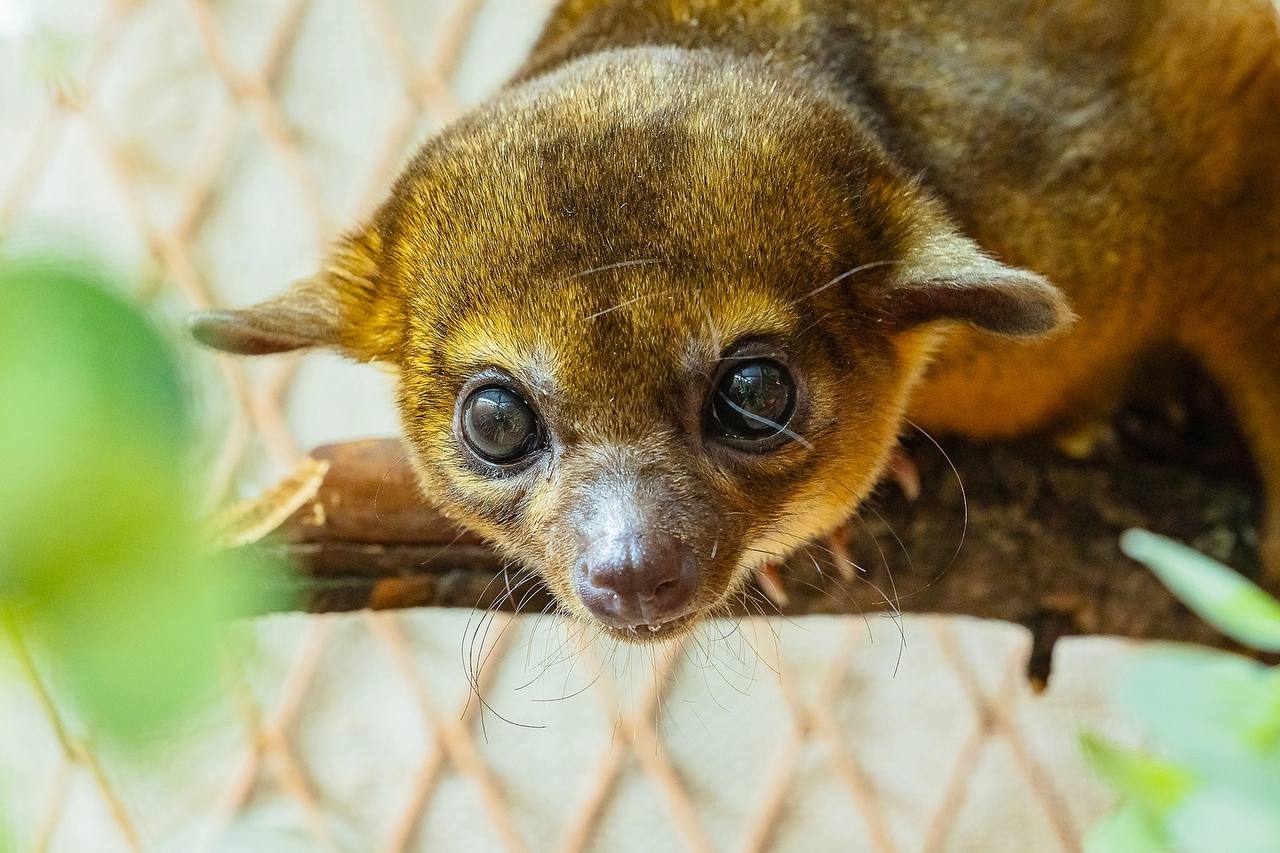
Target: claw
[838,542]
[769,579]
[903,471]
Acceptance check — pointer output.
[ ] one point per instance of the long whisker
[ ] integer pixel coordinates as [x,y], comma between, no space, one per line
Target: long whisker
[614,266]
[466,633]
[509,596]
[964,498]
[884,558]
[844,592]
[896,616]
[846,275]
[710,663]
[473,658]
[754,598]
[905,553]
[528,644]
[795,436]
[910,565]
[385,477]
[632,301]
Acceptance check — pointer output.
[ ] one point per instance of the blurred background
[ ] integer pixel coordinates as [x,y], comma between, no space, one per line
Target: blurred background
[210,151]
[207,152]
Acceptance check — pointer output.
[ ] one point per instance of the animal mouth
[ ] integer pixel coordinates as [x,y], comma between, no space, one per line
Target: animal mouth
[654,632]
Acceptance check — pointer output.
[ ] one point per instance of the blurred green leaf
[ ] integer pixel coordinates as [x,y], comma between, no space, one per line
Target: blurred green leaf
[1213,717]
[1154,785]
[100,557]
[1214,819]
[1217,714]
[1128,830]
[1222,597]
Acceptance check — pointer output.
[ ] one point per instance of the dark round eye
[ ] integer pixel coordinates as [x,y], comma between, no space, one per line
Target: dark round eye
[499,425]
[753,401]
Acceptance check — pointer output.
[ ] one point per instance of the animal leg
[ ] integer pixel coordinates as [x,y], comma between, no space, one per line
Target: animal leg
[1245,361]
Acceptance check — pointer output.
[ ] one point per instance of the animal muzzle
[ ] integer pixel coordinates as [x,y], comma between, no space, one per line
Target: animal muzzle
[637,578]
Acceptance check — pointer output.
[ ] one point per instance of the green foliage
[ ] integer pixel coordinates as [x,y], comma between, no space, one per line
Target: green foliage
[1212,780]
[1220,596]
[101,562]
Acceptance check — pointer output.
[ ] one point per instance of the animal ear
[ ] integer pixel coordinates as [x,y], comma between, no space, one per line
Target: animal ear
[344,308]
[950,279]
[308,315]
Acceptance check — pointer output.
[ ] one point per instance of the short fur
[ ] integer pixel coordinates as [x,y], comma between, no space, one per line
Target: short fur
[667,178]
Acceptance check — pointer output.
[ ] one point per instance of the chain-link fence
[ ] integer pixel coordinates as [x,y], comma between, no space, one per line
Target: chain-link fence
[364,732]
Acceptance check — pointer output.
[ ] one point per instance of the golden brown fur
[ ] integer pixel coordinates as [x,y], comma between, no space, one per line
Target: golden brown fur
[667,178]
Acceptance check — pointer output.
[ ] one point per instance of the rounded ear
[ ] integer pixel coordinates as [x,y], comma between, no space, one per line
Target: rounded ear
[344,308]
[308,315]
[950,279]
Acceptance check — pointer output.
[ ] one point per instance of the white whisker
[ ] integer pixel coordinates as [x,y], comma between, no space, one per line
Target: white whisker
[846,275]
[615,266]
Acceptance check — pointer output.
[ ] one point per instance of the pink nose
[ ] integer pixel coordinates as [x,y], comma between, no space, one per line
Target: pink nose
[637,579]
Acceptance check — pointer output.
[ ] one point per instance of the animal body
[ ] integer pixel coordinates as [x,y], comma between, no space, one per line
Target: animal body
[662,307]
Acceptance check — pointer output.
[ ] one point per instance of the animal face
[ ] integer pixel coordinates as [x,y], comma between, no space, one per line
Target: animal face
[645,449]
[656,317]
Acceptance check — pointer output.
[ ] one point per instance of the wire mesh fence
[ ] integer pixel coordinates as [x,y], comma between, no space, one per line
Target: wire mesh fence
[363,732]
[212,149]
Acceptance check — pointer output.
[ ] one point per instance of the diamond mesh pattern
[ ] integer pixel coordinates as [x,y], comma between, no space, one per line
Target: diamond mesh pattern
[363,732]
[360,732]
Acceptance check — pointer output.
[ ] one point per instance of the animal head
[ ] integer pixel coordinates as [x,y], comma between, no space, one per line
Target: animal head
[655,317]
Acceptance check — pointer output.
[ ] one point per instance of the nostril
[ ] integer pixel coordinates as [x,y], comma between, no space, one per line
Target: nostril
[665,587]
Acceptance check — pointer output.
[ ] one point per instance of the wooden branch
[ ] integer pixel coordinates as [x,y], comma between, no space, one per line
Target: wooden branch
[1031,537]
